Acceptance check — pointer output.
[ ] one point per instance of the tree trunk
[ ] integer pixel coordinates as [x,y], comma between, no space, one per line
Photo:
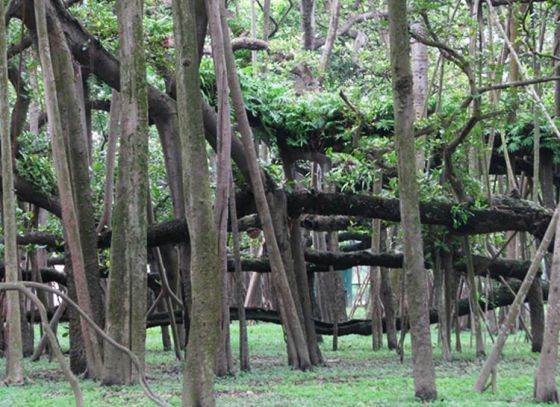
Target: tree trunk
[375,285]
[389,307]
[304,292]
[331,37]
[14,353]
[67,198]
[74,130]
[126,291]
[414,272]
[545,389]
[513,313]
[419,83]
[113,136]
[198,373]
[224,362]
[536,310]
[308,23]
[286,301]
[240,291]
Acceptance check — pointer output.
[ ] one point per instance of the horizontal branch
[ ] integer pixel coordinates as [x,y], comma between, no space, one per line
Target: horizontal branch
[506,215]
[519,215]
[497,298]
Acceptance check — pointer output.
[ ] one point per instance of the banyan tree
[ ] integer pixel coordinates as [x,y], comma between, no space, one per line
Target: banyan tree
[184,166]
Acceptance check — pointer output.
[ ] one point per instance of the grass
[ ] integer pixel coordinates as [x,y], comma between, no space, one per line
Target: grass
[354,376]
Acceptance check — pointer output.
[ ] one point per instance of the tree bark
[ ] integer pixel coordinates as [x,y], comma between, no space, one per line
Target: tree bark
[126,291]
[389,307]
[279,276]
[545,389]
[74,130]
[240,291]
[224,362]
[60,157]
[414,272]
[308,23]
[198,372]
[513,313]
[331,37]
[536,312]
[419,83]
[14,352]
[113,136]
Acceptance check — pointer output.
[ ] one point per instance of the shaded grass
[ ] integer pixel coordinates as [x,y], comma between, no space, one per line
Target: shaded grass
[354,376]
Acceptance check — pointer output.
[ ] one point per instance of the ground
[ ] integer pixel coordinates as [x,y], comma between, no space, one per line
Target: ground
[354,376]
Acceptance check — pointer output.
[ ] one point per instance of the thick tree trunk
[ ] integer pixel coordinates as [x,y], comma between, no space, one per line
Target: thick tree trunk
[126,291]
[414,272]
[14,353]
[204,332]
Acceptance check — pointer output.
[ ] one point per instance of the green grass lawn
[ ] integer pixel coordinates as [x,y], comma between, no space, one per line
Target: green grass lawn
[354,376]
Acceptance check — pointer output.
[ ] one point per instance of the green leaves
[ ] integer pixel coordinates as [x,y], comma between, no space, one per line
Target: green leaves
[460,215]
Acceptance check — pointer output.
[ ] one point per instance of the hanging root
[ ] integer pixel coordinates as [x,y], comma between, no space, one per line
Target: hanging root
[24,288]
[50,335]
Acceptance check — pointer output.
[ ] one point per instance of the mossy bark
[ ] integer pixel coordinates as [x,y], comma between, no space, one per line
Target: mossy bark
[74,130]
[126,292]
[198,373]
[287,305]
[14,354]
[414,272]
[70,213]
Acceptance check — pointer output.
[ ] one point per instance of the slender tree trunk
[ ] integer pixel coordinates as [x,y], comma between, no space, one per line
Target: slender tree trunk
[286,301]
[264,65]
[419,83]
[331,37]
[545,389]
[224,362]
[536,312]
[308,23]
[74,130]
[415,274]
[476,314]
[375,287]
[389,307]
[67,198]
[14,353]
[304,291]
[113,136]
[240,291]
[507,325]
[301,274]
[198,373]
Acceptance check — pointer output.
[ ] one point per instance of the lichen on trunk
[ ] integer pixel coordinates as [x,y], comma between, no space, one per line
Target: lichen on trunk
[126,293]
